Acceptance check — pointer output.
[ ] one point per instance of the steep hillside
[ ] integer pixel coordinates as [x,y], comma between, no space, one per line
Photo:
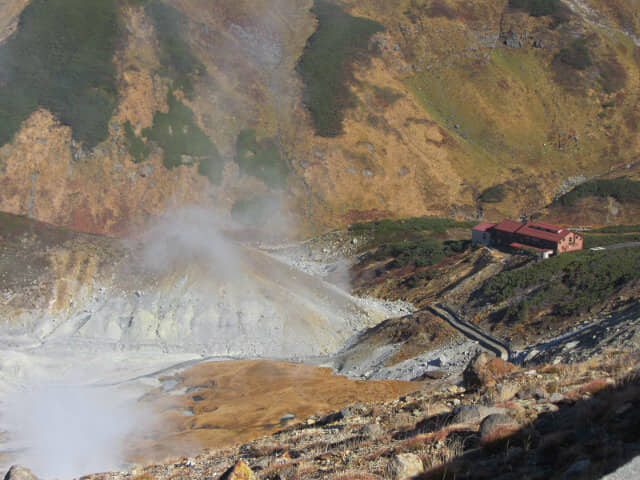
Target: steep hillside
[335,113]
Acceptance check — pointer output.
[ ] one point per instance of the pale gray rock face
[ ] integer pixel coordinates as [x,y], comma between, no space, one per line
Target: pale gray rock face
[18,472]
[265,309]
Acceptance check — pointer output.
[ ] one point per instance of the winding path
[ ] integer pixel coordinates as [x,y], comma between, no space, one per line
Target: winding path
[470,330]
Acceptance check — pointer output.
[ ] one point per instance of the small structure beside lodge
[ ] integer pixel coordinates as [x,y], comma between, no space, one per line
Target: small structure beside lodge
[544,238]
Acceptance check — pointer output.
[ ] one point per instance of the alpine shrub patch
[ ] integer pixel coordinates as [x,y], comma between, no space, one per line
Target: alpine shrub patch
[61,58]
[261,159]
[178,60]
[570,283]
[622,189]
[494,194]
[182,140]
[325,64]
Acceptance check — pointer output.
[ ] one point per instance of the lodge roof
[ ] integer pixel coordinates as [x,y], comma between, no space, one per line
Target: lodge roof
[483,226]
[544,231]
[510,226]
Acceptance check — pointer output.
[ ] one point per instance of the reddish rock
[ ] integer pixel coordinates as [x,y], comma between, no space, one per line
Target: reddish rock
[496,427]
[484,370]
[240,471]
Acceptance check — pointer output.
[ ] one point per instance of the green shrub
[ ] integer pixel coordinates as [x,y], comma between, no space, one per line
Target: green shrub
[434,225]
[386,95]
[178,60]
[182,140]
[261,159]
[494,194]
[440,9]
[622,189]
[570,283]
[613,77]
[325,64]
[137,148]
[61,58]
[418,253]
[537,8]
[576,55]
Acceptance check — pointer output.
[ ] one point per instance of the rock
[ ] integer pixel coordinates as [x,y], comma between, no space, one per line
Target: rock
[18,472]
[474,413]
[240,471]
[330,418]
[286,418]
[439,361]
[511,40]
[497,426]
[577,469]
[557,398]
[403,466]
[532,393]
[483,370]
[372,431]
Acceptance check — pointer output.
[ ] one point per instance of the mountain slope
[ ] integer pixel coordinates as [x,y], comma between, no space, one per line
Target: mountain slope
[443,100]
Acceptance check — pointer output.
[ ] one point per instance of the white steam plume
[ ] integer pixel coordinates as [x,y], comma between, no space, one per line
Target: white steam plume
[65,431]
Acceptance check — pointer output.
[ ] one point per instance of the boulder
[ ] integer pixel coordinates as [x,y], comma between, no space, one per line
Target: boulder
[404,466]
[531,393]
[484,370]
[474,413]
[496,427]
[240,471]
[372,431]
[18,472]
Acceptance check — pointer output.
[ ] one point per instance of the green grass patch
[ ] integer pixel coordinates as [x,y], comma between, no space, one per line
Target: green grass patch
[537,8]
[623,189]
[182,140]
[261,159]
[325,66]
[178,60]
[61,58]
[569,284]
[494,194]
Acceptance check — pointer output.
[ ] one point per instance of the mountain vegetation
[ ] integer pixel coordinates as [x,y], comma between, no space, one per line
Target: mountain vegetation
[61,58]
[325,66]
[565,285]
[182,140]
[261,159]
[623,189]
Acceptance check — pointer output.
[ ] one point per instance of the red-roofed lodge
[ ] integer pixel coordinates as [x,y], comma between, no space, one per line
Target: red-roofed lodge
[543,237]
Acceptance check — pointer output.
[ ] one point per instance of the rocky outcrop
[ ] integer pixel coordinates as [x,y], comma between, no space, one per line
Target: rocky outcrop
[240,471]
[404,466]
[18,472]
[483,371]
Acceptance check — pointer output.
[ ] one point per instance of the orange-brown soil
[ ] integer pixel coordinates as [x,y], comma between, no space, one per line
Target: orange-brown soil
[237,401]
